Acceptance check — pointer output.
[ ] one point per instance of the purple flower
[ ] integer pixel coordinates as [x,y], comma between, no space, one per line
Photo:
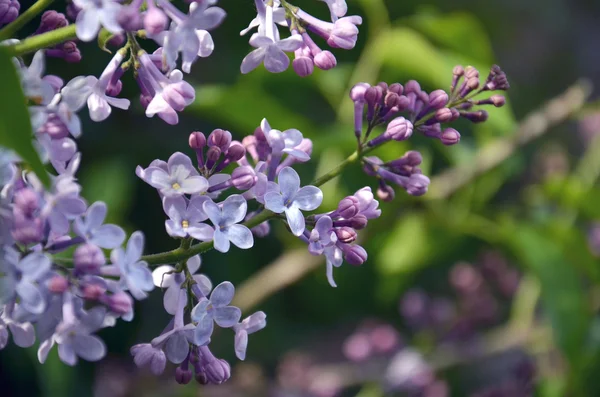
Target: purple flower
[215,309]
[175,178]
[9,11]
[291,199]
[74,96]
[98,102]
[91,228]
[165,277]
[146,355]
[186,218]
[135,275]
[338,8]
[249,325]
[225,219]
[367,205]
[260,19]
[94,14]
[284,142]
[342,33]
[34,85]
[270,52]
[61,205]
[20,279]
[23,333]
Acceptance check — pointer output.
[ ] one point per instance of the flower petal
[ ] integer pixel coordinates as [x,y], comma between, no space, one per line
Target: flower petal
[274,202]
[177,348]
[23,334]
[234,209]
[228,316]
[252,60]
[295,220]
[204,330]
[240,236]
[108,236]
[221,241]
[222,294]
[308,198]
[289,183]
[87,25]
[241,344]
[89,347]
[276,61]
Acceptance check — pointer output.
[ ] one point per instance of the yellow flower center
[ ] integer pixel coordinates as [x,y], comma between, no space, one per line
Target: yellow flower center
[176,186]
[185,224]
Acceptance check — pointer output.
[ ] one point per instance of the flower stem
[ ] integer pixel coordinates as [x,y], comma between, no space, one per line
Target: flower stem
[180,253]
[44,40]
[12,28]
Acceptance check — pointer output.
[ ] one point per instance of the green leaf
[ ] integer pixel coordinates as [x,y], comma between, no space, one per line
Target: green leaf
[562,292]
[15,122]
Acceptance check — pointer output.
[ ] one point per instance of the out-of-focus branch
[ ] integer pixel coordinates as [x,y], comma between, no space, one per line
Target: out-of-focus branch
[294,265]
[534,125]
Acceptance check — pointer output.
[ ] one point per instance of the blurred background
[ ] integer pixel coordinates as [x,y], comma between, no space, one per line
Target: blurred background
[486,286]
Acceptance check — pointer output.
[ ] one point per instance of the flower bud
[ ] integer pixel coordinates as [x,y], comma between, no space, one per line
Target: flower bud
[26,230]
[373,95]
[417,185]
[385,192]
[498,100]
[446,115]
[476,117]
[355,255]
[121,303]
[391,99]
[92,292]
[26,200]
[235,152]
[212,156]
[243,177]
[51,20]
[396,88]
[58,284]
[458,71]
[450,136]
[346,234]
[9,11]
[88,258]
[197,140]
[348,207]
[325,60]
[358,222]
[201,377]
[438,99]
[399,129]
[357,93]
[115,88]
[183,376]
[130,18]
[217,371]
[220,138]
[303,66]
[155,20]
[412,86]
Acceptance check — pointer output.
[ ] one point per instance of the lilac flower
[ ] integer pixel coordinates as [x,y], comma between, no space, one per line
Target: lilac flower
[284,142]
[215,309]
[342,33]
[73,97]
[323,241]
[9,11]
[94,14]
[165,277]
[146,355]
[175,178]
[23,333]
[98,102]
[338,8]
[226,219]
[291,199]
[135,275]
[20,279]
[249,325]
[62,204]
[260,19]
[269,49]
[186,218]
[188,33]
[8,169]
[91,228]
[367,205]
[34,85]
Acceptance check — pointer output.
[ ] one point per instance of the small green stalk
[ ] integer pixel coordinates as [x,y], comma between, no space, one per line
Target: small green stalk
[44,40]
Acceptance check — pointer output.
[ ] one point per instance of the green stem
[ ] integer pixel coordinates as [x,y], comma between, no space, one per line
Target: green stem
[44,40]
[12,28]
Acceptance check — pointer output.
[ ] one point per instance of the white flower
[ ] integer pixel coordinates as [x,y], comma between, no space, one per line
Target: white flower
[94,14]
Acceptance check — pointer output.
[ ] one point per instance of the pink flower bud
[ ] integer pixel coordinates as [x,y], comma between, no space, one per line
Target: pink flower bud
[220,138]
[325,60]
[450,136]
[303,66]
[58,284]
[88,258]
[155,21]
[197,140]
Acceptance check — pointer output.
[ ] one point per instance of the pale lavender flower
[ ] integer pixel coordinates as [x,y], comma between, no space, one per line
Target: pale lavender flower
[226,219]
[249,325]
[260,20]
[73,97]
[367,205]
[20,277]
[135,275]
[8,169]
[286,142]
[62,203]
[146,355]
[99,104]
[338,8]
[186,218]
[175,178]
[189,33]
[342,33]
[95,14]
[291,199]
[23,333]
[165,277]
[34,85]
[91,228]
[215,309]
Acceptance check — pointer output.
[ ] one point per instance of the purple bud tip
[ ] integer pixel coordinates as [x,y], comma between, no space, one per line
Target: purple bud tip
[359,222]
[88,258]
[473,83]
[417,185]
[26,200]
[197,140]
[9,11]
[357,93]
[373,95]
[235,152]
[183,376]
[396,88]
[385,192]
[450,137]
[355,255]
[471,72]
[383,85]
[121,303]
[399,129]
[348,207]
[58,284]
[412,86]
[92,292]
[391,99]
[346,234]
[458,71]
[130,19]
[51,20]
[212,155]
[220,138]
[303,66]
[243,178]
[438,99]
[155,21]
[445,115]
[498,100]
[114,89]
[325,60]
[476,117]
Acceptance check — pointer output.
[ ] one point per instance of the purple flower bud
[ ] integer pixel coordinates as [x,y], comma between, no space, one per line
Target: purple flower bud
[399,129]
[155,20]
[396,88]
[498,100]
[235,152]
[325,60]
[417,185]
[88,258]
[220,138]
[391,99]
[348,207]
[26,200]
[476,117]
[471,73]
[357,93]
[130,18]
[346,234]
[450,136]
[212,156]
[58,284]
[121,303]
[354,254]
[116,40]
[446,115]
[217,371]
[146,355]
[183,376]
[303,66]
[92,292]
[243,177]
[412,86]
[457,73]
[374,95]
[384,338]
[385,192]
[9,11]
[438,99]
[26,230]
[51,20]
[197,140]
[358,222]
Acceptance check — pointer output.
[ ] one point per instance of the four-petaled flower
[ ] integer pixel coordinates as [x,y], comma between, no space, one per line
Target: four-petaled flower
[91,228]
[94,14]
[215,309]
[174,178]
[291,199]
[186,218]
[271,52]
[135,275]
[225,219]
[284,142]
